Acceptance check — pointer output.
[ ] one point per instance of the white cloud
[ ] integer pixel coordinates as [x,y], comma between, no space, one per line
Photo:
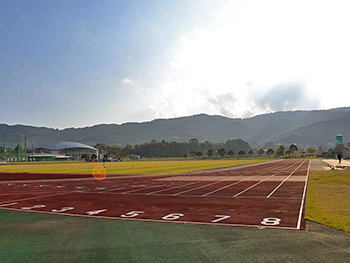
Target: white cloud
[127,81]
[269,55]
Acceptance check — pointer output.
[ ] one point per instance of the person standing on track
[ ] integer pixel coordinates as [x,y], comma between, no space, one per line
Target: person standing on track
[339,158]
[104,161]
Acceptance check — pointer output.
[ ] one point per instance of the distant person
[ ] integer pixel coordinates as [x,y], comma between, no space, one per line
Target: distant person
[104,161]
[237,157]
[339,158]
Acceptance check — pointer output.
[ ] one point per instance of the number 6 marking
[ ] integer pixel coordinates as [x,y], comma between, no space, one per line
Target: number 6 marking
[133,214]
[64,209]
[222,217]
[172,216]
[271,221]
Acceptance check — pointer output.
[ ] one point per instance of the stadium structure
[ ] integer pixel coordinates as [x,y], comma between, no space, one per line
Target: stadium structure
[64,150]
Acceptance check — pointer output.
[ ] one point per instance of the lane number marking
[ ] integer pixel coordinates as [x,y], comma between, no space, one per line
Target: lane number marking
[132,214]
[172,216]
[222,217]
[271,221]
[96,212]
[64,209]
[34,206]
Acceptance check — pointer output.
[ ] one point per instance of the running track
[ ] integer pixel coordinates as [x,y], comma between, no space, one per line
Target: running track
[267,195]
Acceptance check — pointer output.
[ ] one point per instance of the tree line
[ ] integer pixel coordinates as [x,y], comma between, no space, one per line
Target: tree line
[177,149]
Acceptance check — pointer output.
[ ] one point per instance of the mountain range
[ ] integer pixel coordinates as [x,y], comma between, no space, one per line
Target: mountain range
[307,128]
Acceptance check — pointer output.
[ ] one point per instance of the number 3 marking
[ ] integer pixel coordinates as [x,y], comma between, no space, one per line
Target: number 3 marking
[271,221]
[133,214]
[64,209]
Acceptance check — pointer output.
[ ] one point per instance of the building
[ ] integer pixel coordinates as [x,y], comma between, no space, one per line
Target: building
[68,150]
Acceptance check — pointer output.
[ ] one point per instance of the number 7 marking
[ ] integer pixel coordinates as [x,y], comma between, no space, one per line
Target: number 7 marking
[222,217]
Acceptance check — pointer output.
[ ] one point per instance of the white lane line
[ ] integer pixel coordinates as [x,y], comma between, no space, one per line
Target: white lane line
[9,204]
[127,192]
[303,199]
[247,189]
[163,190]
[120,188]
[274,190]
[217,190]
[37,197]
[199,187]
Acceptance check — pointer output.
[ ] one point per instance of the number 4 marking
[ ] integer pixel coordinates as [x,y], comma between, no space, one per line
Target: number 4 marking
[96,212]
[222,217]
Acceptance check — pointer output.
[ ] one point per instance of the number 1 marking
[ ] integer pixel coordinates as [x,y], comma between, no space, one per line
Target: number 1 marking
[222,217]
[34,206]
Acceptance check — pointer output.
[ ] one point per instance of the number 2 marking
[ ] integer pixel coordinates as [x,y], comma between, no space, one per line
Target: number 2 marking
[132,214]
[96,212]
[222,217]
[271,221]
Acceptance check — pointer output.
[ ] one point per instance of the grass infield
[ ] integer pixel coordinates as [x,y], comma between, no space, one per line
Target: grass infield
[130,167]
[328,198]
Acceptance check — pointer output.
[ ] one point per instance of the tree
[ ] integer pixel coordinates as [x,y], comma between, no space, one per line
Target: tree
[280,150]
[270,152]
[261,152]
[193,153]
[311,150]
[240,153]
[199,154]
[293,148]
[210,152]
[193,144]
[251,152]
[222,152]
[231,153]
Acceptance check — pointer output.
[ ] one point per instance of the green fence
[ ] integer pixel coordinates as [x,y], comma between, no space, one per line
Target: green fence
[13,147]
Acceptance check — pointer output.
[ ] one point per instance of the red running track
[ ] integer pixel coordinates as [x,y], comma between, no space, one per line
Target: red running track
[270,195]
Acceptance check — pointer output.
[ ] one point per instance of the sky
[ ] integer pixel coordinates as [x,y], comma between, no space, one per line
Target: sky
[78,63]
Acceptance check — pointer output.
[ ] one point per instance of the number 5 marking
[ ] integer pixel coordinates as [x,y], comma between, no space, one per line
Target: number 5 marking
[222,217]
[64,209]
[271,221]
[133,214]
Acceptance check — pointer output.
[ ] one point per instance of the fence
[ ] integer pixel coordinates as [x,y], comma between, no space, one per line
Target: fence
[13,147]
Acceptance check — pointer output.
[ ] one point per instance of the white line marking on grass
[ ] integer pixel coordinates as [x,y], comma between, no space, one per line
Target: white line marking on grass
[247,189]
[163,190]
[199,187]
[274,190]
[303,198]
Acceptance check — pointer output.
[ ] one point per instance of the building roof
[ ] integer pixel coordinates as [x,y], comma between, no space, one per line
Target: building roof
[57,146]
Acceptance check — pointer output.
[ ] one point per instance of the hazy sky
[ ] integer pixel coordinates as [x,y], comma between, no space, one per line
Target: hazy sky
[80,63]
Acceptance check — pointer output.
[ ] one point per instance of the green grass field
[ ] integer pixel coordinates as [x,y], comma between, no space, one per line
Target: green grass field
[328,198]
[130,167]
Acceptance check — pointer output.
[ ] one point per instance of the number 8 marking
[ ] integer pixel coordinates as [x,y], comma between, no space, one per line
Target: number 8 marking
[271,221]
